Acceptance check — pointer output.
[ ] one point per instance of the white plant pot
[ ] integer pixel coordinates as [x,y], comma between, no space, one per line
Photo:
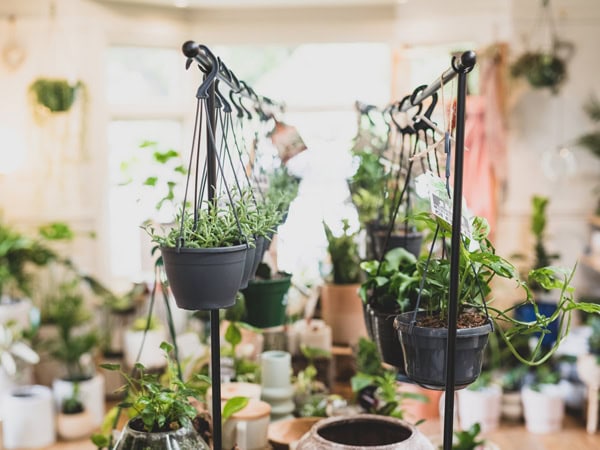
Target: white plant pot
[91,394]
[277,390]
[588,369]
[544,411]
[24,376]
[28,421]
[483,406]
[152,356]
[75,426]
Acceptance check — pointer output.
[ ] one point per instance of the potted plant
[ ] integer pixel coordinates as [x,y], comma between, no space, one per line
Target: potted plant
[310,394]
[18,253]
[421,331]
[55,95]
[480,403]
[266,297]
[388,290]
[73,420]
[341,306]
[204,254]
[282,189]
[588,369]
[73,348]
[542,258]
[162,411]
[543,403]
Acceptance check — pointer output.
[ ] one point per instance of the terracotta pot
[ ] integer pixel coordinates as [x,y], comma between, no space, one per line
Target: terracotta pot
[416,410]
[342,310]
[364,431]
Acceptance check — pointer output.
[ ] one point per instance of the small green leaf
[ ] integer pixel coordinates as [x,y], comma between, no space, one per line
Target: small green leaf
[166,347]
[110,366]
[99,440]
[150,181]
[234,405]
[233,335]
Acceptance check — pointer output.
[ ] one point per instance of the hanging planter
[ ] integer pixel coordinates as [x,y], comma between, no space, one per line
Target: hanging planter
[425,350]
[55,95]
[184,438]
[399,238]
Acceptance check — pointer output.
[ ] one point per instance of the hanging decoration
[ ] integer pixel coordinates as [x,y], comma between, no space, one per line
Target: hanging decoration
[545,67]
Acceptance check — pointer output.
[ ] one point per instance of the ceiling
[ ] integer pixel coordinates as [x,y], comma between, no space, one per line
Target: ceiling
[230,4]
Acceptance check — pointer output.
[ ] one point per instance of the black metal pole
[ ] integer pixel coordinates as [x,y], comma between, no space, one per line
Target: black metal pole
[215,338]
[455,256]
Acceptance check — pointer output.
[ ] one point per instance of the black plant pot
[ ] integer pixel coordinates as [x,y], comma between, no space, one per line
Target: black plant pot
[425,352]
[368,321]
[266,301]
[384,335]
[377,246]
[248,273]
[205,278]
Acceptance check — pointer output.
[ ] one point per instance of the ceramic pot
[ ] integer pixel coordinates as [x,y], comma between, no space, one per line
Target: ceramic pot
[152,357]
[28,419]
[248,428]
[186,438]
[74,426]
[91,394]
[364,431]
[277,390]
[342,310]
[543,410]
[482,406]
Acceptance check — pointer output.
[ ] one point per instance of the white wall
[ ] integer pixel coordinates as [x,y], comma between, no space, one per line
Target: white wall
[29,197]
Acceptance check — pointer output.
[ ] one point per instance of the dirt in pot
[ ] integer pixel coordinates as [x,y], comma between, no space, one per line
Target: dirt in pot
[466,319]
[364,433]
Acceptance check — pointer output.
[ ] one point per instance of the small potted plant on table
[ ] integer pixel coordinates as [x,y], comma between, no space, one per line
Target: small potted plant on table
[341,306]
[74,421]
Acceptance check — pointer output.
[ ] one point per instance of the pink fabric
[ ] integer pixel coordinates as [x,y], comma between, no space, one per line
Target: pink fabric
[485,137]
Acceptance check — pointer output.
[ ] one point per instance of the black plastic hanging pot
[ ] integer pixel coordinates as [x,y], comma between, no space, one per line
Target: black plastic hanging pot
[384,336]
[377,246]
[248,273]
[425,352]
[205,278]
[368,320]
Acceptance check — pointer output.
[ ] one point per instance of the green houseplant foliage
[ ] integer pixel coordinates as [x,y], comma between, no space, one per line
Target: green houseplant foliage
[68,312]
[541,70]
[591,140]
[57,95]
[343,251]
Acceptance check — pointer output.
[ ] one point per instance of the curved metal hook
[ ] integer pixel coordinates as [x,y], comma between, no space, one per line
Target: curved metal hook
[408,129]
[211,76]
[244,87]
[421,124]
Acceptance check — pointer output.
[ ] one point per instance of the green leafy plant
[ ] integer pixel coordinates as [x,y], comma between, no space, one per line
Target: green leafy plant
[14,349]
[343,251]
[141,323]
[72,404]
[19,252]
[310,394]
[468,439]
[245,369]
[56,95]
[544,374]
[368,360]
[591,140]
[390,285]
[162,404]
[68,312]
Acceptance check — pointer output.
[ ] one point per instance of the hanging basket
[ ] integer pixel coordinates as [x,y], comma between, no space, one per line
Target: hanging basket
[377,246]
[266,301]
[205,278]
[425,352]
[248,274]
[384,336]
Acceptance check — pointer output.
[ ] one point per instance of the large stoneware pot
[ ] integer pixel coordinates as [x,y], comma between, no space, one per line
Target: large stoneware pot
[364,431]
